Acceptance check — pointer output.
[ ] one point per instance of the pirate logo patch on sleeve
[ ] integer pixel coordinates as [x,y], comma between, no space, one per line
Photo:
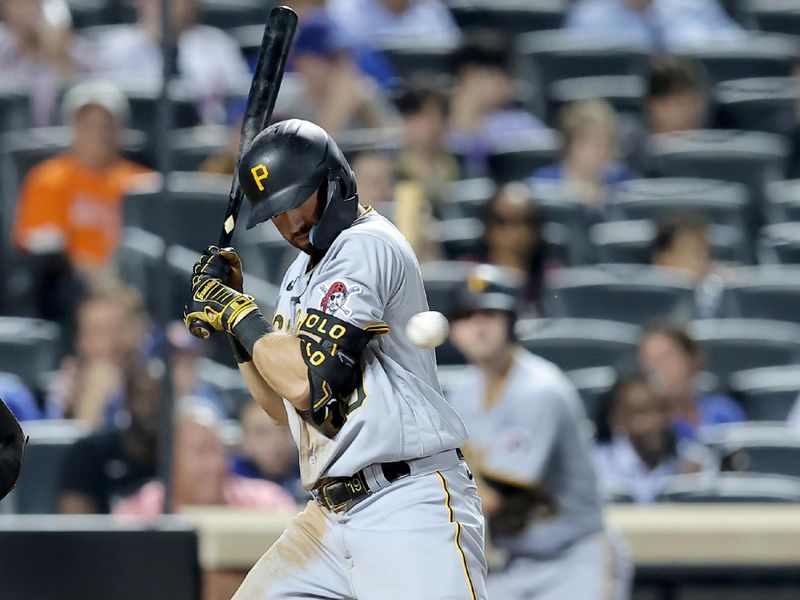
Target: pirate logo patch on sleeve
[336,296]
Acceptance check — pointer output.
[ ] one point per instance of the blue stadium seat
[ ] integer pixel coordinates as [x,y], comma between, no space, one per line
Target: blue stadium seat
[624,92]
[628,293]
[225,14]
[731,488]
[37,489]
[194,145]
[781,243]
[783,201]
[91,13]
[29,348]
[460,239]
[465,198]
[766,104]
[592,383]
[738,344]
[518,159]
[631,242]
[766,394]
[510,17]
[410,57]
[758,55]
[555,55]
[720,202]
[775,16]
[191,215]
[755,447]
[579,343]
[766,292]
[15,111]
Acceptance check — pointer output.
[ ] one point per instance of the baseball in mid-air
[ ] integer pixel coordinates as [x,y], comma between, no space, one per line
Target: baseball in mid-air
[427,329]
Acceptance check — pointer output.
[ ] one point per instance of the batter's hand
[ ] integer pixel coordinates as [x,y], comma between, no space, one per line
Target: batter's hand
[223,264]
[212,301]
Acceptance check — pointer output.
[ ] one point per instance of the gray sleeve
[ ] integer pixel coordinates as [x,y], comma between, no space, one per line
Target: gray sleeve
[358,281]
[522,451]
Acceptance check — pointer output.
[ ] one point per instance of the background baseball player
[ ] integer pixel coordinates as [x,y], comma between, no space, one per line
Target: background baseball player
[526,444]
[396,513]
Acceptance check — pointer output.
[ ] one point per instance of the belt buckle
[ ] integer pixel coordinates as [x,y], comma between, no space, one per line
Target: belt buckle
[355,485]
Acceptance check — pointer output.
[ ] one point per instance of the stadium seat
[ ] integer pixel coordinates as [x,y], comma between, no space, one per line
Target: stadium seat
[627,293]
[749,157]
[191,215]
[766,104]
[756,447]
[783,201]
[766,394]
[29,348]
[551,56]
[410,57]
[737,344]
[592,383]
[227,384]
[579,343]
[720,202]
[225,14]
[781,243]
[90,13]
[460,239]
[765,292]
[558,208]
[509,17]
[731,487]
[265,252]
[520,158]
[631,242]
[758,55]
[37,489]
[624,92]
[465,198]
[14,107]
[194,145]
[138,258]
[775,16]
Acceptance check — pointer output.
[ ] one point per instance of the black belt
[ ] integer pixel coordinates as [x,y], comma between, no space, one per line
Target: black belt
[340,493]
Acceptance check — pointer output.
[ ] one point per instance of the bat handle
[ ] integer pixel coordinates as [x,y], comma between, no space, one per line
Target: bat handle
[200,329]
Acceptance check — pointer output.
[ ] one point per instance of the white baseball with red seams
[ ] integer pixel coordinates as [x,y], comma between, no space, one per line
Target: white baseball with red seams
[427,329]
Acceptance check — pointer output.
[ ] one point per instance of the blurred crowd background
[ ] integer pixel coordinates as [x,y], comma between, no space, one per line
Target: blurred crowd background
[631,164]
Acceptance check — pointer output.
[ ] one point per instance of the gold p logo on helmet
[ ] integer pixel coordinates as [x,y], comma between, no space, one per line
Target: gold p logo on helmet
[476,284]
[259,172]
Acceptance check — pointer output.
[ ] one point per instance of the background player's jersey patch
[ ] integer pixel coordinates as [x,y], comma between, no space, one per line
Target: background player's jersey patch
[336,296]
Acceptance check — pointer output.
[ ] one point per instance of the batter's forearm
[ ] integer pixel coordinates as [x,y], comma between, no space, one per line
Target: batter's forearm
[278,360]
[267,398]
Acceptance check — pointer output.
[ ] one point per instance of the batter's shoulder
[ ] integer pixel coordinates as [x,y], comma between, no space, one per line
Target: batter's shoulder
[373,233]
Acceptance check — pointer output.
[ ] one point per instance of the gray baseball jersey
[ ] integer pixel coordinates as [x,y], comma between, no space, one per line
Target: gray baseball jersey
[532,434]
[370,277]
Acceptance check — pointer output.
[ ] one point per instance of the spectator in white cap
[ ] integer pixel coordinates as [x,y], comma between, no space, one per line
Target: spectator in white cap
[71,203]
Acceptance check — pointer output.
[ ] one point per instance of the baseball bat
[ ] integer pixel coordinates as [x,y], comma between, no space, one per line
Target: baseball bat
[264,88]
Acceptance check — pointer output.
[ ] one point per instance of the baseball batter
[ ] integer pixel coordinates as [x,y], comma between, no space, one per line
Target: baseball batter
[537,482]
[395,513]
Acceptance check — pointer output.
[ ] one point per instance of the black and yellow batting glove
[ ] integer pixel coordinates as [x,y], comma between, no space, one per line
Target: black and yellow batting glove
[217,304]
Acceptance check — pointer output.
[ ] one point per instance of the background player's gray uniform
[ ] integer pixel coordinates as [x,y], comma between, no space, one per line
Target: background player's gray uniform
[532,434]
[422,536]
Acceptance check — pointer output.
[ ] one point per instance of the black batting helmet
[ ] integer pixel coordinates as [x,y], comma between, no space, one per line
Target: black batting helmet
[488,287]
[289,161]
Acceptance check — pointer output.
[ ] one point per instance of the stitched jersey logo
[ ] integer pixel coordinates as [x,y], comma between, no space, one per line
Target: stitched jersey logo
[336,296]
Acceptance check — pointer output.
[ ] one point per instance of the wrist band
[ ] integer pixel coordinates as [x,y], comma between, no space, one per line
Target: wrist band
[250,329]
[239,352]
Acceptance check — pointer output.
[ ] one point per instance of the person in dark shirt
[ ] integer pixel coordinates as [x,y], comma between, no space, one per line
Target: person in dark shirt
[110,464]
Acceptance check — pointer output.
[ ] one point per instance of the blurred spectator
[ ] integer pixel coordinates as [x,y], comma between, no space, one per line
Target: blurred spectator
[72,203]
[681,243]
[513,238]
[105,467]
[201,475]
[482,111]
[636,448]
[111,329]
[530,457]
[373,171]
[208,59]
[675,360]
[676,95]
[424,158]
[267,451]
[653,25]
[19,398]
[374,21]
[39,52]
[589,165]
[330,90]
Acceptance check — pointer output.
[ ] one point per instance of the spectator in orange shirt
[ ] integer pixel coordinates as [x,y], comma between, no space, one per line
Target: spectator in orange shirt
[72,203]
